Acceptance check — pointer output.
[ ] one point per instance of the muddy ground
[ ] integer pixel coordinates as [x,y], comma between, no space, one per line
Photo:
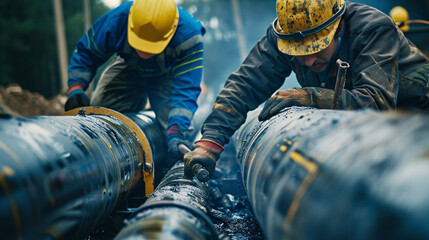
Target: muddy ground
[19,102]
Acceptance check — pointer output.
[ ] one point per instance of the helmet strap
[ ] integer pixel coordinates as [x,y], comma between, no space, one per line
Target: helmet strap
[299,36]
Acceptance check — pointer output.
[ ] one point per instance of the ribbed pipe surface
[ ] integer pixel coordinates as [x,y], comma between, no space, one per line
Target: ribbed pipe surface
[62,175]
[177,209]
[324,174]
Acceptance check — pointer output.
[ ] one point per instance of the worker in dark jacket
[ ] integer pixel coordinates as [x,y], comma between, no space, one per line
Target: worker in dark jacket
[159,56]
[307,37]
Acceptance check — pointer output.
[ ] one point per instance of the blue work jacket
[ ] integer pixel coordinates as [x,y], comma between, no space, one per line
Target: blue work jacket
[182,59]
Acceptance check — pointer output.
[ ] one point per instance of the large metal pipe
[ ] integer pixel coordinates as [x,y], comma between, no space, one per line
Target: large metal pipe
[177,209]
[62,175]
[324,174]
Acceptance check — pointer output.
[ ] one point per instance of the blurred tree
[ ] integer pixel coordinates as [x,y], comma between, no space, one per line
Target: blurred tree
[87,15]
[74,19]
[61,43]
[28,45]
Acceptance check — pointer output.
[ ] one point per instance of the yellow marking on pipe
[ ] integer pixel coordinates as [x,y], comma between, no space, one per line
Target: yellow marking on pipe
[103,194]
[78,130]
[311,167]
[186,230]
[258,170]
[118,171]
[302,189]
[147,226]
[133,181]
[13,206]
[283,148]
[7,171]
[158,225]
[146,159]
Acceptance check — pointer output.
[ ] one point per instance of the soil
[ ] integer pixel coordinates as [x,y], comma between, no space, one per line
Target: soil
[19,102]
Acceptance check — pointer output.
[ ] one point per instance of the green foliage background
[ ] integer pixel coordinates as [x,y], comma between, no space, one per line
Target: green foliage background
[28,41]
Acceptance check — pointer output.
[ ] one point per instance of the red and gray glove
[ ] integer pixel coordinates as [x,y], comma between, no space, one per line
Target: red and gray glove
[308,96]
[76,97]
[206,153]
[175,137]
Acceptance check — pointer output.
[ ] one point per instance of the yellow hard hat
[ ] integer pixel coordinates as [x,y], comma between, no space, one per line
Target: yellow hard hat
[305,27]
[400,15]
[151,24]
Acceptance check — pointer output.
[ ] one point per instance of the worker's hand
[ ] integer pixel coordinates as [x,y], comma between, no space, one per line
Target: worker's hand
[175,137]
[174,153]
[206,153]
[309,97]
[77,98]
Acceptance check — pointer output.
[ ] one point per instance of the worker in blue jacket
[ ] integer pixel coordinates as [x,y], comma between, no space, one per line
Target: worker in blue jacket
[159,56]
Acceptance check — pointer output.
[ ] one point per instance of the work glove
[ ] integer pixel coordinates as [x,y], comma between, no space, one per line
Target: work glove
[206,153]
[175,137]
[308,96]
[77,98]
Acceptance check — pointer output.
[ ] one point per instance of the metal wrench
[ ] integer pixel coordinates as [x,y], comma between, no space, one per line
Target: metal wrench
[198,170]
[339,83]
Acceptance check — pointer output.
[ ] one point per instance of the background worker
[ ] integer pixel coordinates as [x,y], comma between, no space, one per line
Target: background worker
[307,37]
[159,51]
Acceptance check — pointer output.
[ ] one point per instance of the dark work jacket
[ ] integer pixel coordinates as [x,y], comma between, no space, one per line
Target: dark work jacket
[383,65]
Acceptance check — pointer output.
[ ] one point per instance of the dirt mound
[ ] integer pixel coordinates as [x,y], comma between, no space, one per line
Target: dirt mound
[22,103]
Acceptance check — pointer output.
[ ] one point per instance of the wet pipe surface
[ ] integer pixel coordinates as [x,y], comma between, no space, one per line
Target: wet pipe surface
[229,208]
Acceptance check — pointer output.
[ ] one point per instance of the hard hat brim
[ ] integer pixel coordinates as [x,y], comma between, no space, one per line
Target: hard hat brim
[153,47]
[310,44]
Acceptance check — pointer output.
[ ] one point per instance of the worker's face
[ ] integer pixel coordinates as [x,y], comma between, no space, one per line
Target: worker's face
[145,55]
[318,62]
